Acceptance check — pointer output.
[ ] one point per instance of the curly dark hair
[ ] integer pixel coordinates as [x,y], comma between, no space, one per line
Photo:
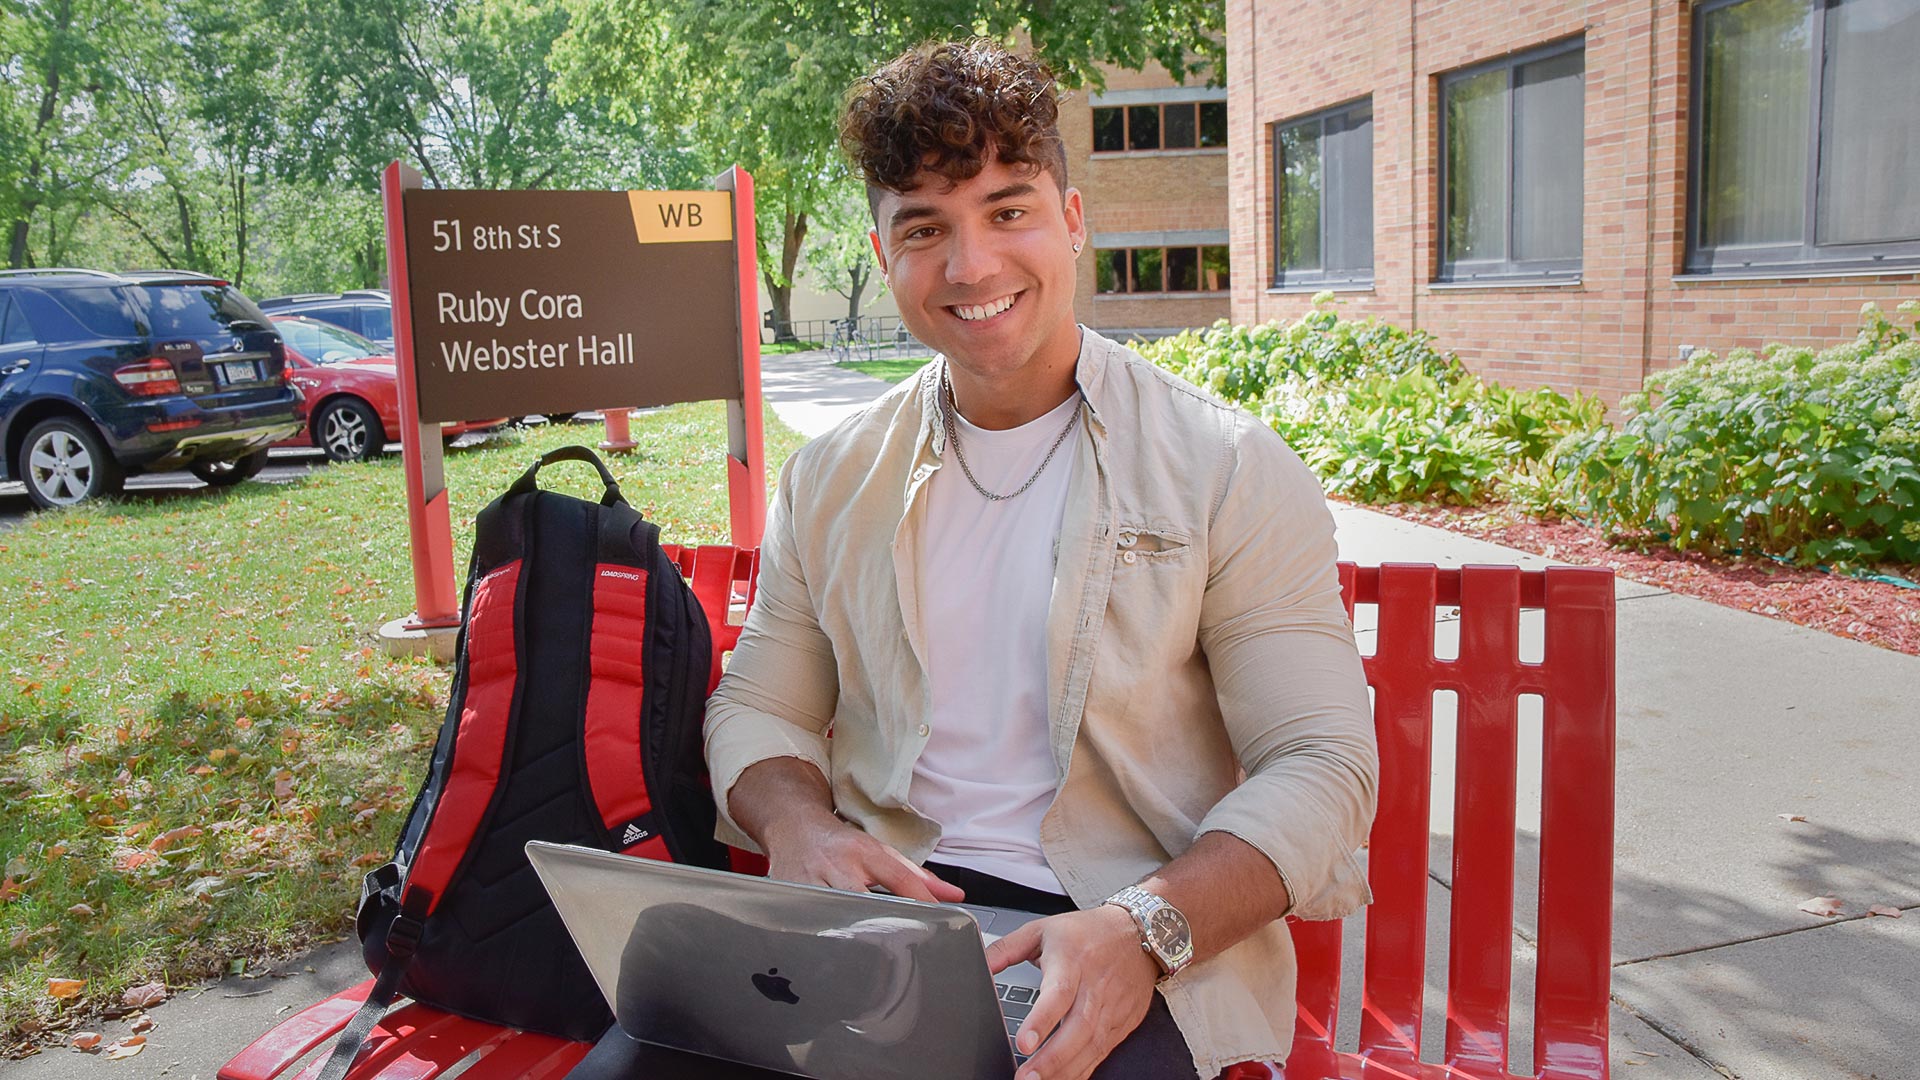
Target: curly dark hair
[946,106]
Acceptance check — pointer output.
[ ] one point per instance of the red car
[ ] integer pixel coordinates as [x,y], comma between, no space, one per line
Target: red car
[350,395]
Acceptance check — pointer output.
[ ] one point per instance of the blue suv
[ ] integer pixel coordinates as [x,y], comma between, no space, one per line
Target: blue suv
[102,375]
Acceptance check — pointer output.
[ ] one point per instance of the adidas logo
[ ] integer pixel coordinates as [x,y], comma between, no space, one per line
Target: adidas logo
[633,835]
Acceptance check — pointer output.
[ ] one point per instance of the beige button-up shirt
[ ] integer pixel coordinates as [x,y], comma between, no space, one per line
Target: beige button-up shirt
[1201,669]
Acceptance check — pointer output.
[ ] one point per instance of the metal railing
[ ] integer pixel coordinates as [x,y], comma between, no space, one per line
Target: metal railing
[869,337]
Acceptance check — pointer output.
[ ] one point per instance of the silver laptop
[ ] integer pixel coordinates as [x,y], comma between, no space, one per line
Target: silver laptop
[799,979]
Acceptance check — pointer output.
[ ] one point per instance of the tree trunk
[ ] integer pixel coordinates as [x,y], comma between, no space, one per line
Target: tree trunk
[793,235]
[17,245]
[859,274]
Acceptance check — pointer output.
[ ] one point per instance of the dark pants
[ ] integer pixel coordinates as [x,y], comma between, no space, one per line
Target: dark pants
[1155,1049]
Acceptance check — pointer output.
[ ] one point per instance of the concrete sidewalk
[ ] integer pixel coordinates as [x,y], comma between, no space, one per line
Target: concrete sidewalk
[1725,721]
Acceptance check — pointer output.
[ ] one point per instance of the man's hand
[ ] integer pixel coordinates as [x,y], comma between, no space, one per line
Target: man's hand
[816,850]
[1096,985]
[786,806]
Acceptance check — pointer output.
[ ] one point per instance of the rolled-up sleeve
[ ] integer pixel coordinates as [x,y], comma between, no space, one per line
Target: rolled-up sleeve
[778,694]
[1288,674]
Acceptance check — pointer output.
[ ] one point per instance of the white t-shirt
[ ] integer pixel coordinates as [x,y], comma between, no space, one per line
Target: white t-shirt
[985,569]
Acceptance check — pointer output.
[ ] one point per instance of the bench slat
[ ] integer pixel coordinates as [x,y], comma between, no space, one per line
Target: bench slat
[1402,674]
[1486,754]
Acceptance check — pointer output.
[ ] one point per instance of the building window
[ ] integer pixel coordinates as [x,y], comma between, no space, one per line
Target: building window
[1805,136]
[1512,136]
[1161,270]
[1323,197]
[1178,126]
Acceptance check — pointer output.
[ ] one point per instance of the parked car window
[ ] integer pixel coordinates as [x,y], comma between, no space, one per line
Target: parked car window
[13,324]
[377,323]
[87,312]
[198,311]
[324,344]
[343,317]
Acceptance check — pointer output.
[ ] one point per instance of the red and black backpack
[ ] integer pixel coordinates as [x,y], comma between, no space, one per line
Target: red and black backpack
[575,717]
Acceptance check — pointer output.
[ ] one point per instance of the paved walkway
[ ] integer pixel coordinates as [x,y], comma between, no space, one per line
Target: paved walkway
[1725,721]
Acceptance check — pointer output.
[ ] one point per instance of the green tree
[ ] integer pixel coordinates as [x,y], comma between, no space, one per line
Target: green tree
[55,59]
[840,257]
[759,82]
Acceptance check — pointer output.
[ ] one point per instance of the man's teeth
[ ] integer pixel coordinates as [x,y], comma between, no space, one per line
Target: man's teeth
[977,312]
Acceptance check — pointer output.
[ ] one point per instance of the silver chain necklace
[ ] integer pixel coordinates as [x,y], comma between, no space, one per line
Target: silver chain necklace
[949,409]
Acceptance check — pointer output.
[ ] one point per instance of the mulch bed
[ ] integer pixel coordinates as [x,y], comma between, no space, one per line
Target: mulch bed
[1870,611]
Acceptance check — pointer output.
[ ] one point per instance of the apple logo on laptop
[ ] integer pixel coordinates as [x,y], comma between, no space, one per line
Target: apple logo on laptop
[775,986]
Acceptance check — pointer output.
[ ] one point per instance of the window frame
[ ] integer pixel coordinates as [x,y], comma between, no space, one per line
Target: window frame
[1280,277]
[1787,260]
[1200,268]
[1126,129]
[1447,270]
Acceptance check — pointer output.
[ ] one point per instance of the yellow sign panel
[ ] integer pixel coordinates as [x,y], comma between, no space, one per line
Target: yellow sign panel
[681,217]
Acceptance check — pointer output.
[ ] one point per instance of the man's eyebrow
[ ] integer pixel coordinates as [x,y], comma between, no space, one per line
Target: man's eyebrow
[1011,191]
[910,213]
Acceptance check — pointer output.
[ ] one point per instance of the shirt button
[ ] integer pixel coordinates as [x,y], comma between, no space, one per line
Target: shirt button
[1128,556]
[924,729]
[1127,539]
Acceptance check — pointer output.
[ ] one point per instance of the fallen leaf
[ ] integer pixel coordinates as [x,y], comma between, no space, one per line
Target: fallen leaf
[141,1024]
[9,890]
[167,839]
[283,788]
[84,1040]
[80,911]
[134,860]
[1791,817]
[126,1047]
[1884,910]
[64,988]
[1824,906]
[371,858]
[145,995]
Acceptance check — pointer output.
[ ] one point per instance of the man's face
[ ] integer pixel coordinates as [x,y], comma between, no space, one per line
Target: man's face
[983,270]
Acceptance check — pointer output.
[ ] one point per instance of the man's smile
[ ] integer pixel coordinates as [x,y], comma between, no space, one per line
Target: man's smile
[989,310]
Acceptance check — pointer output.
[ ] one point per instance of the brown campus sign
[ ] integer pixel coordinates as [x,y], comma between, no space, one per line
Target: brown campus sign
[559,301]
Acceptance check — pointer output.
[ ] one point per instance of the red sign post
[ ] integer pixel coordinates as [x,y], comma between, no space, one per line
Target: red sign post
[511,303]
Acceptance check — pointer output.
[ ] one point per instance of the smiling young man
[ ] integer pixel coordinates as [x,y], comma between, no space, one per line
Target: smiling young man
[1074,625]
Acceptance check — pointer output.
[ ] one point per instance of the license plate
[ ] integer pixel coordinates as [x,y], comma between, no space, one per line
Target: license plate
[237,371]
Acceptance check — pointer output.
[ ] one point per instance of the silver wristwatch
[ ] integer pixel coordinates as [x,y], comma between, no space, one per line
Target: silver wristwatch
[1164,933]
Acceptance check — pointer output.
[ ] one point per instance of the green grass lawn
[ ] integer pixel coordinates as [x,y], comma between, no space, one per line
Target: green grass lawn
[202,748]
[781,348]
[892,371]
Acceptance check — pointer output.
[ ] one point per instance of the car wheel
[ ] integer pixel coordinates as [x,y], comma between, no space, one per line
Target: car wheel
[231,471]
[349,430]
[64,461]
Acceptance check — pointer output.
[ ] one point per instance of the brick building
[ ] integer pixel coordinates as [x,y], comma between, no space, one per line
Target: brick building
[1150,158]
[1574,194]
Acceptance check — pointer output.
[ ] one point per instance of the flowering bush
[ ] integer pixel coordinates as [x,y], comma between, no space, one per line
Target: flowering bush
[1380,413]
[1811,456]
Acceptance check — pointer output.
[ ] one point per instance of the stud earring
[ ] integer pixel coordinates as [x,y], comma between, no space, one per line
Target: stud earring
[1076,249]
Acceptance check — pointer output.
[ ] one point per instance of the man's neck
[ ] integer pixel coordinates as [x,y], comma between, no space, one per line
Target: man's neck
[1021,396]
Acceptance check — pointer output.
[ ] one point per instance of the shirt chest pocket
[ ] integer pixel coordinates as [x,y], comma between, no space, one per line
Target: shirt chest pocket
[1152,545]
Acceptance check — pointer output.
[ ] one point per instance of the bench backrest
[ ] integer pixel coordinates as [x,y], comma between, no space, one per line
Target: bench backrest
[1574,679]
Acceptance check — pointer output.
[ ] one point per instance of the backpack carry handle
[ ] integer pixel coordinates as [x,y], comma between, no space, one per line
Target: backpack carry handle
[527,483]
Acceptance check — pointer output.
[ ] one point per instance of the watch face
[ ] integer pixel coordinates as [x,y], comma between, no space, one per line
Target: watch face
[1167,930]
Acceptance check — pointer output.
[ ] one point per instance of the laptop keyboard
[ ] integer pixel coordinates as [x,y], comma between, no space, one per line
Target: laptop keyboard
[1015,1003]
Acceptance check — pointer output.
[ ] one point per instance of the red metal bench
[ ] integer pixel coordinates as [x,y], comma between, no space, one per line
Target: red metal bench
[1575,681]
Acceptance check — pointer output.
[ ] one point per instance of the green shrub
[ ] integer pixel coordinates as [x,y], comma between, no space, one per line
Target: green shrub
[1380,413]
[1808,456]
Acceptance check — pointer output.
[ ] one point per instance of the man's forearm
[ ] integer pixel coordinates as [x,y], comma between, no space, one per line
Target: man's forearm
[1225,887]
[779,792]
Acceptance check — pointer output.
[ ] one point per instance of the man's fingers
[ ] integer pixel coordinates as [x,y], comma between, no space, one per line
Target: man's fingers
[1022,944]
[1056,996]
[1065,1055]
[943,890]
[899,877]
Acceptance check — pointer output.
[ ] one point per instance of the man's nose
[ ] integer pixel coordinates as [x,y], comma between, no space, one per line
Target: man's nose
[971,257]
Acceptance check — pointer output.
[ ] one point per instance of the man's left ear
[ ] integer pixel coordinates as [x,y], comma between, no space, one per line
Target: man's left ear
[1076,219]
